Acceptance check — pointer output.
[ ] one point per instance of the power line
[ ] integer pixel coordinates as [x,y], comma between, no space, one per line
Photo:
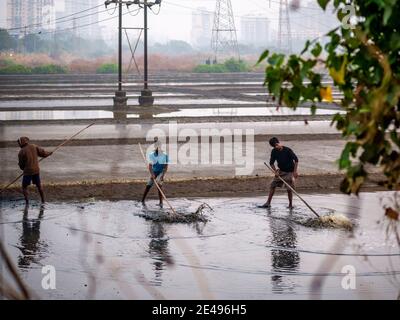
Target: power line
[61,18]
[244,16]
[79,26]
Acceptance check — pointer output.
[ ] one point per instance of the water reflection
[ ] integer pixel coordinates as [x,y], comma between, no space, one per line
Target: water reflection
[158,250]
[283,235]
[30,244]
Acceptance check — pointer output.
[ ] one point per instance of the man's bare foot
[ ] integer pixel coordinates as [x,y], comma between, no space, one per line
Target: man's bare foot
[266,206]
[161,205]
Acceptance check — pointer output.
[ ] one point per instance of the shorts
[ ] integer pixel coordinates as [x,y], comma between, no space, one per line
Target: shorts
[287,176]
[28,179]
[159,176]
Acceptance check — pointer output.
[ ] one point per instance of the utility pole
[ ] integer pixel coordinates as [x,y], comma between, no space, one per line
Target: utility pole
[146,98]
[120,99]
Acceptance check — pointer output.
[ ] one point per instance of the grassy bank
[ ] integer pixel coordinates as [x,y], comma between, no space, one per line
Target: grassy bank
[230,65]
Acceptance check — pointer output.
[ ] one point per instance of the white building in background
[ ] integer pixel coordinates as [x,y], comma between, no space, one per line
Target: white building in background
[84,24]
[3,14]
[27,16]
[254,30]
[310,21]
[202,24]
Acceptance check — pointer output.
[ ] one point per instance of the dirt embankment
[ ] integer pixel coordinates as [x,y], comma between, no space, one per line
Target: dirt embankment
[201,187]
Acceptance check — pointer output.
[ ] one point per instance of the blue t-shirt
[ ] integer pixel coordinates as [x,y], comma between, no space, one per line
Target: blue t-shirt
[158,161]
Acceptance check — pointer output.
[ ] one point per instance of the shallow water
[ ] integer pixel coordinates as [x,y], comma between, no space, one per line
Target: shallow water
[203,112]
[242,252]
[54,103]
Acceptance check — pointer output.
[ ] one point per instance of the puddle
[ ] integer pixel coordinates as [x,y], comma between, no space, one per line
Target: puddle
[114,131]
[241,252]
[55,115]
[199,112]
[262,111]
[56,103]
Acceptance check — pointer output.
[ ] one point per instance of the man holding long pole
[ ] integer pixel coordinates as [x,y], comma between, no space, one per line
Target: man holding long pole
[158,166]
[28,162]
[287,164]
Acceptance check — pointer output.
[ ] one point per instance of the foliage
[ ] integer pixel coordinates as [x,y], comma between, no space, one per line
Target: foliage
[15,69]
[49,69]
[210,68]
[6,41]
[233,65]
[107,68]
[364,63]
[230,65]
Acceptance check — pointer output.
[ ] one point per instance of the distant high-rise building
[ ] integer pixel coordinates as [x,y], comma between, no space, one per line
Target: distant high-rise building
[27,16]
[84,24]
[3,14]
[254,30]
[202,22]
[310,21]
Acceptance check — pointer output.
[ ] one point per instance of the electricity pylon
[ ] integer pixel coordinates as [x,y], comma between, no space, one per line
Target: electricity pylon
[224,37]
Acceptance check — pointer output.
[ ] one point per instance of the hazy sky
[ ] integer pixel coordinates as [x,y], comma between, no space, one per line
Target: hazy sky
[174,19]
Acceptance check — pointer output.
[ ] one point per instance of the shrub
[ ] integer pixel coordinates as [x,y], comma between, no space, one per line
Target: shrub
[233,65]
[49,69]
[6,63]
[208,68]
[230,65]
[15,69]
[107,68]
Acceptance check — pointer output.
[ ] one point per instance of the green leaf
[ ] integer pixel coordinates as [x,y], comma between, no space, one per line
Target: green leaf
[306,47]
[263,56]
[323,3]
[350,149]
[276,59]
[313,109]
[387,14]
[316,51]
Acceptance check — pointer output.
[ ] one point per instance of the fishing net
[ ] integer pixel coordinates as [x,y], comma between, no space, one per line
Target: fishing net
[180,217]
[330,221]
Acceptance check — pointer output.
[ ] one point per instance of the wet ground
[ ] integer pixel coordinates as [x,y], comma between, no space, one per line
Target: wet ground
[104,249]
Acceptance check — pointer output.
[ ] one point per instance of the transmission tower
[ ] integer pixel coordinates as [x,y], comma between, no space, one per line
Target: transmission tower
[284,32]
[224,38]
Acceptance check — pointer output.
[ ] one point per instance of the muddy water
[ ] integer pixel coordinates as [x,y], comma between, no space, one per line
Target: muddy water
[242,252]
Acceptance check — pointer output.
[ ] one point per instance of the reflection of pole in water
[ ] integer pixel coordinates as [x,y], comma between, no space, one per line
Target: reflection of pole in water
[283,235]
[30,238]
[158,249]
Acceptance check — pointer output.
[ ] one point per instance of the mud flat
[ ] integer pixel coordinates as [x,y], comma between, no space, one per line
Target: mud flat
[193,187]
[108,250]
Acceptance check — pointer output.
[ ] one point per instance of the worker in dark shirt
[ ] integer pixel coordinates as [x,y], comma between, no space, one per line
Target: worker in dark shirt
[28,162]
[287,169]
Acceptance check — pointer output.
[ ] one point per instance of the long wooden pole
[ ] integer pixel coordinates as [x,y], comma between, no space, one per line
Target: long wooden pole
[155,182]
[294,191]
[58,147]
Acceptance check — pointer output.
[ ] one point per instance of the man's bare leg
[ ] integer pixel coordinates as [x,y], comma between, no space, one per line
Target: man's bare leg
[290,197]
[146,191]
[39,187]
[271,194]
[26,196]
